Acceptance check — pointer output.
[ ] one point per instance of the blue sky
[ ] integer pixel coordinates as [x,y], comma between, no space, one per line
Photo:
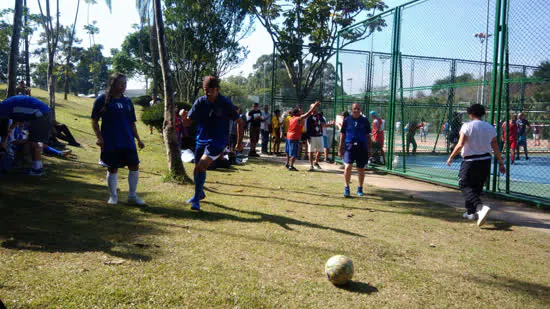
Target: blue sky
[431,28]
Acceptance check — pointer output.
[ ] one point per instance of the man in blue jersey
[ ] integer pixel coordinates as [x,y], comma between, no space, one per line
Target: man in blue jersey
[212,112]
[355,146]
[22,108]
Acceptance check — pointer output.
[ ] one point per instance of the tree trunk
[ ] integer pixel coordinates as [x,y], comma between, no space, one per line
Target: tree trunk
[154,58]
[51,84]
[27,61]
[69,51]
[175,165]
[14,51]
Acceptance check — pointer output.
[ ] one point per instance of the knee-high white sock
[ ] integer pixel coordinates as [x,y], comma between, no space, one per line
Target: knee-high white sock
[133,178]
[112,183]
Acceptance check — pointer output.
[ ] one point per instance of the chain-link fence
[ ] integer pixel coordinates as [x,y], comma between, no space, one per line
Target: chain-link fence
[430,60]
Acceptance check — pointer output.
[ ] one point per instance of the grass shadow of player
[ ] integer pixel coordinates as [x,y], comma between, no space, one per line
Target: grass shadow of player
[358,287]
[500,226]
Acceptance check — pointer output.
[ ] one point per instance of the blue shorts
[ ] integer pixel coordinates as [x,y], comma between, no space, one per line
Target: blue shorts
[119,158]
[212,151]
[325,141]
[356,153]
[292,147]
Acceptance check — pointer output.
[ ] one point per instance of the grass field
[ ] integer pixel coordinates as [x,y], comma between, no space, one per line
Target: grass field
[261,241]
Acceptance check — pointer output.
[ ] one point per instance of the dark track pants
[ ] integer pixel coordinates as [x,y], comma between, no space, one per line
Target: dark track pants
[471,178]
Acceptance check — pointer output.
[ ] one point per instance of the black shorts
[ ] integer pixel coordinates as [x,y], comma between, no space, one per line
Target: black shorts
[119,158]
[358,153]
[39,129]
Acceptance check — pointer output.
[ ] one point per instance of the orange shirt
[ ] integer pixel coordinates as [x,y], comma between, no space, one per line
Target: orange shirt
[295,127]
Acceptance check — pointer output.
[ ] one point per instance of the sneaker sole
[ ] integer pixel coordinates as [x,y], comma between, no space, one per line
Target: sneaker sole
[484,219]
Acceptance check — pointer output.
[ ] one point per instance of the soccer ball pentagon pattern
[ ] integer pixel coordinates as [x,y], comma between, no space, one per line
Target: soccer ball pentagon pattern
[339,269]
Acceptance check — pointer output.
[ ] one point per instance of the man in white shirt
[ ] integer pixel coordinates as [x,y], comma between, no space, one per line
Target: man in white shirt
[477,140]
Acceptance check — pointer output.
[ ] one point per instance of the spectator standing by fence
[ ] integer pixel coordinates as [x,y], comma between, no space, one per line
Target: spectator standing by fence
[523,127]
[255,120]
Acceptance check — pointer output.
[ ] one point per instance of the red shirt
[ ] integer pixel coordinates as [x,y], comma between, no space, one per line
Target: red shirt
[295,127]
[513,131]
[377,132]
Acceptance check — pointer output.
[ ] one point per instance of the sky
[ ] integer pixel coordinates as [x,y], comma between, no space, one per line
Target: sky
[115,25]
[420,31]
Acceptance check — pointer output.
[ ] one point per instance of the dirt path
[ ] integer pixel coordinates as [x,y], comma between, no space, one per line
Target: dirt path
[514,213]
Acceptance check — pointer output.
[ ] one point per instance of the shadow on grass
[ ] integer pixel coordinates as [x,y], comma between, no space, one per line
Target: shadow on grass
[208,216]
[358,287]
[531,289]
[62,212]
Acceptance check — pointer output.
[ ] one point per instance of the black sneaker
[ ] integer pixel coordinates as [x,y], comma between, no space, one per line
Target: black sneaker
[292,169]
[317,166]
[287,166]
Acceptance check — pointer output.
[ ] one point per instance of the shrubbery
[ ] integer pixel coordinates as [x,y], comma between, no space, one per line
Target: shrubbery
[154,116]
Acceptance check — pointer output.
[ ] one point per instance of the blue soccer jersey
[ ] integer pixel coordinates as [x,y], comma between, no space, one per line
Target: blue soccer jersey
[23,108]
[117,120]
[356,130]
[213,120]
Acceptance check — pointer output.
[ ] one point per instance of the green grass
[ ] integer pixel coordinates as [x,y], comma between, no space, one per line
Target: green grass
[261,241]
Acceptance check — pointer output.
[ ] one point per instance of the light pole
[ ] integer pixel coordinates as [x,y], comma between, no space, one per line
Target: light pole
[483,37]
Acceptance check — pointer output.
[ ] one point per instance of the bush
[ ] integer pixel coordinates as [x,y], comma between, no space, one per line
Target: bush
[142,100]
[154,116]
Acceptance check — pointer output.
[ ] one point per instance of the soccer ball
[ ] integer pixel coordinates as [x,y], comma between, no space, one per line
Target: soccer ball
[339,269]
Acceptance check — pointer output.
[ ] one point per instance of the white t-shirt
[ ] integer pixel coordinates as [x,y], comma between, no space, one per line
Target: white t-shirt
[266,116]
[480,134]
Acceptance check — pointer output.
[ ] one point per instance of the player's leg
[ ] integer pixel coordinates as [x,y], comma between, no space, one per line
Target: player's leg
[210,154]
[361,160]
[39,132]
[348,165]
[131,159]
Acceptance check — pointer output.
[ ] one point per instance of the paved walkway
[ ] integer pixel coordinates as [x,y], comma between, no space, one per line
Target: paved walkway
[514,213]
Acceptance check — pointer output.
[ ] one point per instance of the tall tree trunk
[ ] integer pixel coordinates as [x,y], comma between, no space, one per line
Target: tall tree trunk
[14,51]
[173,152]
[27,61]
[154,57]
[69,51]
[51,84]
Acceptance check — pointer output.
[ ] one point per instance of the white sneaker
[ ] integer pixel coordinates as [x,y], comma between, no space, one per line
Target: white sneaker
[113,200]
[482,215]
[134,200]
[468,216]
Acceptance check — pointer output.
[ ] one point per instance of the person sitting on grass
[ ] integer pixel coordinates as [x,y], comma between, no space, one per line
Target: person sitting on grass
[294,135]
[476,141]
[21,108]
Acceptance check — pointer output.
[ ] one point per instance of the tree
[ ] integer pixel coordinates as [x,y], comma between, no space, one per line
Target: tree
[14,52]
[5,37]
[203,37]
[314,23]
[175,165]
[52,35]
[69,48]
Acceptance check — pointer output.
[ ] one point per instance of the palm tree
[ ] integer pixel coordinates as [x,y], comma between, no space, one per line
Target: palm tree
[14,52]
[52,38]
[69,51]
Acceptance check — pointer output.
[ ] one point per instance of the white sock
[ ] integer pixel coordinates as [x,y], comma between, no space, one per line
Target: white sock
[112,183]
[133,177]
[37,165]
